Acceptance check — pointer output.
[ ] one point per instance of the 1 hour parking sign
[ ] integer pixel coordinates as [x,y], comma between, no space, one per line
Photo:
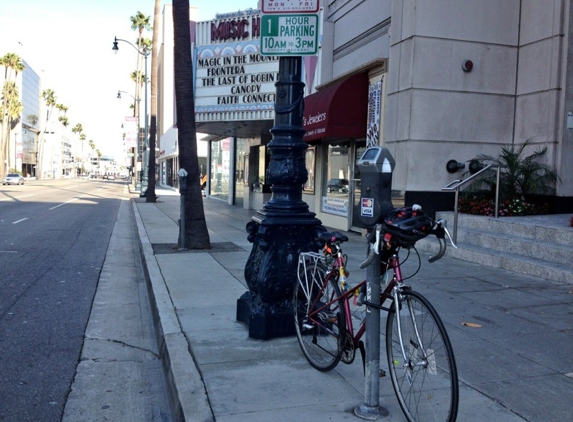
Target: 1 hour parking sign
[289,35]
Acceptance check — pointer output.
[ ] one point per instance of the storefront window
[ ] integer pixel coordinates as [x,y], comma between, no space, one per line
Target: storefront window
[335,191]
[220,168]
[309,159]
[241,170]
[260,160]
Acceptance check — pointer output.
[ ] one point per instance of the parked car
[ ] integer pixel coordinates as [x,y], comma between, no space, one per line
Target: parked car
[337,185]
[13,179]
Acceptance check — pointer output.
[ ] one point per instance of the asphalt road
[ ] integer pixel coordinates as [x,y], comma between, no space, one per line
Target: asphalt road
[54,237]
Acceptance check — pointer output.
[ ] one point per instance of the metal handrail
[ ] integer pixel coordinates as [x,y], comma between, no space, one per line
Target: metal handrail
[458,183]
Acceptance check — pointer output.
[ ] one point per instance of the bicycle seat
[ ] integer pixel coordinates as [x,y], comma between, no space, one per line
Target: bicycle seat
[332,237]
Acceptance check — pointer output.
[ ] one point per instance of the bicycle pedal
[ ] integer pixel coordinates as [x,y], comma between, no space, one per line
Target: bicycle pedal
[307,326]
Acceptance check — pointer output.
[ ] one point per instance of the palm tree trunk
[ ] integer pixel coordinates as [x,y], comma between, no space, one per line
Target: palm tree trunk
[196,235]
[150,194]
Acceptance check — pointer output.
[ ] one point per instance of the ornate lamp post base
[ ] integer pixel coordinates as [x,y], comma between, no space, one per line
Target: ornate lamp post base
[271,272]
[284,227]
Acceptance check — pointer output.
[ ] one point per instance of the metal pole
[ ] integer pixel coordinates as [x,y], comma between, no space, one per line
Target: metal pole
[371,409]
[497,192]
[144,163]
[456,211]
[182,224]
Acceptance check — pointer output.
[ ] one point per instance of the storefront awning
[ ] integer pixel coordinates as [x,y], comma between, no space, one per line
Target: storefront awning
[338,111]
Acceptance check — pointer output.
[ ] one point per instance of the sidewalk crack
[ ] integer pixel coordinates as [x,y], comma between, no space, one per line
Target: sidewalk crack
[124,344]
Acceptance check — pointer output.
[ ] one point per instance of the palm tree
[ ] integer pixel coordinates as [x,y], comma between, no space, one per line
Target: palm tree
[78,128]
[139,23]
[83,137]
[50,100]
[195,235]
[11,110]
[13,65]
[521,175]
[150,194]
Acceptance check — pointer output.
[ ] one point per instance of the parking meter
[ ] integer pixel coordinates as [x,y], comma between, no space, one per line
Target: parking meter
[182,173]
[376,166]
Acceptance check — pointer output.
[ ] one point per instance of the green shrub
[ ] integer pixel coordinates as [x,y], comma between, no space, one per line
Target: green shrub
[519,177]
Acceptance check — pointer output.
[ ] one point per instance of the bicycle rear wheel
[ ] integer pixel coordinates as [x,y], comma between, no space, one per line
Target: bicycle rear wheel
[425,379]
[319,318]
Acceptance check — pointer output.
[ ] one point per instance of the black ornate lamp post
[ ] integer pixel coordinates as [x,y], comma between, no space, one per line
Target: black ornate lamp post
[144,171]
[285,226]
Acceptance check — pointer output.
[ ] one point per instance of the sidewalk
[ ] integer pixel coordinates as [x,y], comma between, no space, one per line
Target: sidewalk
[516,366]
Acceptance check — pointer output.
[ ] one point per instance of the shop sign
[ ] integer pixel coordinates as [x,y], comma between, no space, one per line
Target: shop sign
[374,104]
[336,206]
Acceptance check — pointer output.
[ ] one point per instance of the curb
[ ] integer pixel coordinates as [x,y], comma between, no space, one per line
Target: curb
[186,390]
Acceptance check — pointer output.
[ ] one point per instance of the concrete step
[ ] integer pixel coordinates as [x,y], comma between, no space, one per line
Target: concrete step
[552,228]
[518,245]
[539,246]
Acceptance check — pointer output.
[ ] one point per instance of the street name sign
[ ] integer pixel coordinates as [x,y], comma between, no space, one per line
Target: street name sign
[289,35]
[289,6]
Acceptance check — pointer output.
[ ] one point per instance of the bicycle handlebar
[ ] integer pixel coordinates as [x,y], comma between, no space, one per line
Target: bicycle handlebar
[439,230]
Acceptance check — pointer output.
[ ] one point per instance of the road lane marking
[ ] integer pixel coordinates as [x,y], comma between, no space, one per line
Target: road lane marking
[64,203]
[19,221]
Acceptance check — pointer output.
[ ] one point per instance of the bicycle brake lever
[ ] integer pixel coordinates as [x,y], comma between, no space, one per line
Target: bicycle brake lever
[442,224]
[450,237]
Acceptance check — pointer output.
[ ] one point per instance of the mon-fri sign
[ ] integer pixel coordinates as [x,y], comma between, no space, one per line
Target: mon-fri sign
[289,35]
[289,6]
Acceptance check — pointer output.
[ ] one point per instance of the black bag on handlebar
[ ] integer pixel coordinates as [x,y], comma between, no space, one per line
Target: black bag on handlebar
[405,226]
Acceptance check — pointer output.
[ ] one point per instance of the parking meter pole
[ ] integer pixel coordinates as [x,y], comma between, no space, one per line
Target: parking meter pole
[182,173]
[182,223]
[370,409]
[376,166]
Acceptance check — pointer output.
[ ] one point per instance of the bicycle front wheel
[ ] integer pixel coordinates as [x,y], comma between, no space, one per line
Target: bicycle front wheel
[421,361]
[319,317]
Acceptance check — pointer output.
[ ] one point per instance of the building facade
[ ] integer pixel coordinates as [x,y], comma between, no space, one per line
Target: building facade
[431,81]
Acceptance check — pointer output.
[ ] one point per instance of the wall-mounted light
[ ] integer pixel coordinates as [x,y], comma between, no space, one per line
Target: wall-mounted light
[467,65]
[452,166]
[475,166]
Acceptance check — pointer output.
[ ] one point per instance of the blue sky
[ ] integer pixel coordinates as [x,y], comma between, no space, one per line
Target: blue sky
[68,43]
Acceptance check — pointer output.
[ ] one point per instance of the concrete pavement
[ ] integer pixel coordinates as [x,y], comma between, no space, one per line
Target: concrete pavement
[512,334]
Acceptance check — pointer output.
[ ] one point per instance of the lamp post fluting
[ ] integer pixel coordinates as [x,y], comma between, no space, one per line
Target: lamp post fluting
[143,177]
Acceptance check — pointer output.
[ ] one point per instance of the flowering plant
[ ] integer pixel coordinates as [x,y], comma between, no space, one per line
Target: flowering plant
[484,206]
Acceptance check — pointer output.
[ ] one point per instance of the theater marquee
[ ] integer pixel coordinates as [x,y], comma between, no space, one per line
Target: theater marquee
[234,77]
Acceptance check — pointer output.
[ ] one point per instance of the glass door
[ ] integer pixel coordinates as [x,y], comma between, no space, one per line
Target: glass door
[358,150]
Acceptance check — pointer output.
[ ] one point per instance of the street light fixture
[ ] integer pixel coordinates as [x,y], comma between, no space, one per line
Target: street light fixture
[145,54]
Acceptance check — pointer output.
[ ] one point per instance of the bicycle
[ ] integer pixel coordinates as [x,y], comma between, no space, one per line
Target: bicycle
[419,354]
